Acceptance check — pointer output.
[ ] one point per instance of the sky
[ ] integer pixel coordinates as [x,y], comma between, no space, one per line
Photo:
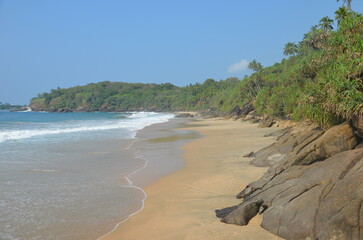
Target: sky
[46,44]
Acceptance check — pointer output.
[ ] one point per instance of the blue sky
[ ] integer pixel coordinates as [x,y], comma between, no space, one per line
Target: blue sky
[45,44]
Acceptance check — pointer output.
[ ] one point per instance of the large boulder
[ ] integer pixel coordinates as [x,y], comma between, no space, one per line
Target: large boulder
[357,123]
[289,139]
[337,139]
[243,213]
[318,201]
[313,188]
[184,115]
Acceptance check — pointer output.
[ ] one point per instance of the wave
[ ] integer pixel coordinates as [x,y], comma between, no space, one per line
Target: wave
[133,123]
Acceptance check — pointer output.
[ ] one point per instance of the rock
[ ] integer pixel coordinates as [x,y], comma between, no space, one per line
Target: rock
[250,154]
[250,116]
[357,123]
[267,122]
[257,120]
[211,113]
[322,200]
[221,213]
[277,133]
[313,188]
[236,111]
[337,139]
[246,109]
[184,115]
[243,213]
[288,140]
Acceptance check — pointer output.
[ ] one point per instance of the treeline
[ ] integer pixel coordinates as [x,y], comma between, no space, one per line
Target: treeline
[8,106]
[120,96]
[321,80]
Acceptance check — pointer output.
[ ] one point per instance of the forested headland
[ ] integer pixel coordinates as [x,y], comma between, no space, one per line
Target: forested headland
[8,106]
[320,79]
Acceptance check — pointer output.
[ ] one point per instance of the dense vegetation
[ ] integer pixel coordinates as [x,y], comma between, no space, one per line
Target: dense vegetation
[8,106]
[119,96]
[322,80]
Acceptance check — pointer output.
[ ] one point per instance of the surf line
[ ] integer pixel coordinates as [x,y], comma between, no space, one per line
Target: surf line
[131,185]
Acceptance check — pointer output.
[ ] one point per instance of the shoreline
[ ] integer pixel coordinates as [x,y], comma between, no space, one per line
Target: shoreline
[148,135]
[184,201]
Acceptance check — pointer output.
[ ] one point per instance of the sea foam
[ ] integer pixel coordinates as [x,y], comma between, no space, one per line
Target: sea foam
[136,121]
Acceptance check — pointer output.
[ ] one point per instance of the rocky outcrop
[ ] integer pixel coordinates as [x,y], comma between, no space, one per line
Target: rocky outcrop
[184,115]
[357,123]
[241,112]
[290,140]
[313,188]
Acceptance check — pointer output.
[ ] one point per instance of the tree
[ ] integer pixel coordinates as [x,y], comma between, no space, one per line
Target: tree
[341,14]
[290,49]
[255,66]
[326,24]
[348,3]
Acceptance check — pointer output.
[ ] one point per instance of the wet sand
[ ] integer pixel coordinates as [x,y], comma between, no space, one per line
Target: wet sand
[181,205]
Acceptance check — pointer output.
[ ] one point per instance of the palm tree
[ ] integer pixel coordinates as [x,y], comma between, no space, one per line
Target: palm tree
[290,49]
[348,3]
[255,66]
[341,14]
[326,24]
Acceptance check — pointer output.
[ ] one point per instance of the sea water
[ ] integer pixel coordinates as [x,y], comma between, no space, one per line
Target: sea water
[64,175]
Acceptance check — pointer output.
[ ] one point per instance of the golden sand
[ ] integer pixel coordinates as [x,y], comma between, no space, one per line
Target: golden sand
[181,205]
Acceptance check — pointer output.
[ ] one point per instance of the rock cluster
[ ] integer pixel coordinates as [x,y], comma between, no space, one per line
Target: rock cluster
[184,115]
[313,188]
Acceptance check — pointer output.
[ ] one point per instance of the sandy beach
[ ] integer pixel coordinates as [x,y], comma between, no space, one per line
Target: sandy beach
[181,205]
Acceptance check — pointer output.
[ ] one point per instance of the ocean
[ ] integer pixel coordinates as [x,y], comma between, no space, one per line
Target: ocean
[71,175]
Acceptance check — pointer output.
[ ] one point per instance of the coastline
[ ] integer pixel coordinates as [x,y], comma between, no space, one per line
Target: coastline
[152,146]
[181,205]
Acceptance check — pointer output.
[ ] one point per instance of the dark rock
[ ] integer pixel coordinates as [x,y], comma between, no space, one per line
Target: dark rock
[256,120]
[184,115]
[357,123]
[320,200]
[313,190]
[236,111]
[250,154]
[211,113]
[246,109]
[276,133]
[267,122]
[244,213]
[250,116]
[337,139]
[288,140]
[221,213]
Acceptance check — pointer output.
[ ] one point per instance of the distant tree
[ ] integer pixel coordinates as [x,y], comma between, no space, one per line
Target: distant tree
[341,14]
[326,24]
[290,49]
[255,66]
[348,3]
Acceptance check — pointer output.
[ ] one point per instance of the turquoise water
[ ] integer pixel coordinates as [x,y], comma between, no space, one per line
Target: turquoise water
[64,175]
[42,126]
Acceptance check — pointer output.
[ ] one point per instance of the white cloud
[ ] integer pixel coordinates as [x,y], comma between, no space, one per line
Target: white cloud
[238,67]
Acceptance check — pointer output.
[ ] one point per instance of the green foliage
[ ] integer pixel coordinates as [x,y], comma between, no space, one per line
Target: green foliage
[8,106]
[118,96]
[326,24]
[255,66]
[290,49]
[322,80]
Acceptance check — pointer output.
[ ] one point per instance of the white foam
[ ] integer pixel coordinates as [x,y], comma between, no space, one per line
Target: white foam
[131,185]
[142,114]
[134,123]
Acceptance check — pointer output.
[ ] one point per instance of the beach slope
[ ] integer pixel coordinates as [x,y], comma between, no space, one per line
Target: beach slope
[181,205]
